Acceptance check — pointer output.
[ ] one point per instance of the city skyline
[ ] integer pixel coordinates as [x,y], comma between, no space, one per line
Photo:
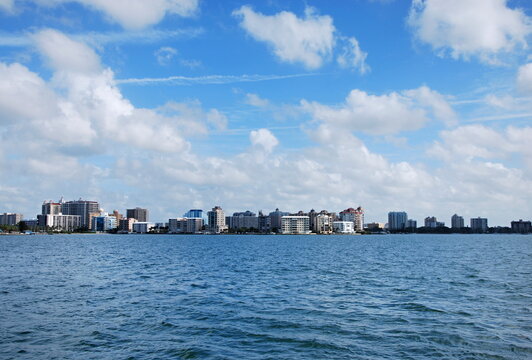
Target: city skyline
[183,104]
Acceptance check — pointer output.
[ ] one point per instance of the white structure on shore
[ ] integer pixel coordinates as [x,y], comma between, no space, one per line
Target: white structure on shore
[292,224]
[344,227]
[216,218]
[60,222]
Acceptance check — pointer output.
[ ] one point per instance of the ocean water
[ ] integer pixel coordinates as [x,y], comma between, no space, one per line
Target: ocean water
[266,297]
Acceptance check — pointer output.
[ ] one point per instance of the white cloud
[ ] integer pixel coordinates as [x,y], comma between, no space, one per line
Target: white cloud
[466,28]
[165,54]
[352,56]
[135,14]
[383,114]
[309,40]
[524,78]
[256,100]
[264,139]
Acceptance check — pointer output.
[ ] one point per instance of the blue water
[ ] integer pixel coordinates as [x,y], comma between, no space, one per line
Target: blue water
[266,297]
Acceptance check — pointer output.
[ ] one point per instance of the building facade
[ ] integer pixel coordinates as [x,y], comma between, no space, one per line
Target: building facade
[521,227]
[344,227]
[85,209]
[10,219]
[275,219]
[185,225]
[103,222]
[354,215]
[294,224]
[139,214]
[457,222]
[142,227]
[216,219]
[60,222]
[126,225]
[479,225]
[397,220]
[243,220]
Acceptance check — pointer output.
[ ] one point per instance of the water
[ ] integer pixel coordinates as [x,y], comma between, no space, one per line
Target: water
[266,297]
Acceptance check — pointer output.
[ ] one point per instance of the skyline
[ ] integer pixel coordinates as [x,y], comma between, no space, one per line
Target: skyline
[183,104]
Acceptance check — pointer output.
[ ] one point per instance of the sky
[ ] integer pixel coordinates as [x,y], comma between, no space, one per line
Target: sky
[423,106]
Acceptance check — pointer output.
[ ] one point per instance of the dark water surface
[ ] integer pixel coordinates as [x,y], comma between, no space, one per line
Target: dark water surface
[266,297]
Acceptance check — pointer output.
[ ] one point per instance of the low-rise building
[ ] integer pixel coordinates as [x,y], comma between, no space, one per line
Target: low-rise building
[185,225]
[103,222]
[344,227]
[126,225]
[142,227]
[60,222]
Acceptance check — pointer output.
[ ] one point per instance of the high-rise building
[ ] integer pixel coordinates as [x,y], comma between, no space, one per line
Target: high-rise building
[140,214]
[51,208]
[83,208]
[126,224]
[216,219]
[354,215]
[479,225]
[264,222]
[323,223]
[457,222]
[522,227]
[397,220]
[10,219]
[243,220]
[295,224]
[275,219]
[411,224]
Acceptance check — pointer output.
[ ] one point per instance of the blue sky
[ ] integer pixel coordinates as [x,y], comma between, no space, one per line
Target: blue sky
[422,106]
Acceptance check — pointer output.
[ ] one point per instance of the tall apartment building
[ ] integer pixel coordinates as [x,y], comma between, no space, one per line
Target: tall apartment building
[275,219]
[10,218]
[51,208]
[85,209]
[479,225]
[323,223]
[354,215]
[397,220]
[140,214]
[243,220]
[294,224]
[432,222]
[457,222]
[59,221]
[216,219]
[522,227]
[264,222]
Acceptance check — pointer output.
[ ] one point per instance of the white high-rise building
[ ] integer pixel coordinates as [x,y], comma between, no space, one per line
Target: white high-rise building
[354,215]
[216,219]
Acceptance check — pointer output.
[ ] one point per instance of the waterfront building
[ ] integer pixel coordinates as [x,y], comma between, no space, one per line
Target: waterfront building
[323,223]
[142,227]
[397,220]
[185,225]
[411,224]
[295,224]
[479,225]
[264,224]
[522,227]
[354,215]
[374,226]
[457,222]
[432,222]
[60,222]
[140,214]
[10,219]
[344,227]
[85,209]
[216,220]
[275,219]
[117,215]
[126,224]
[51,208]
[243,220]
[103,222]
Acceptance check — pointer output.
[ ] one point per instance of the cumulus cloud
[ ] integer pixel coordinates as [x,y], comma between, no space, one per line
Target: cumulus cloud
[134,14]
[383,114]
[256,100]
[264,139]
[524,78]
[309,40]
[482,28]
